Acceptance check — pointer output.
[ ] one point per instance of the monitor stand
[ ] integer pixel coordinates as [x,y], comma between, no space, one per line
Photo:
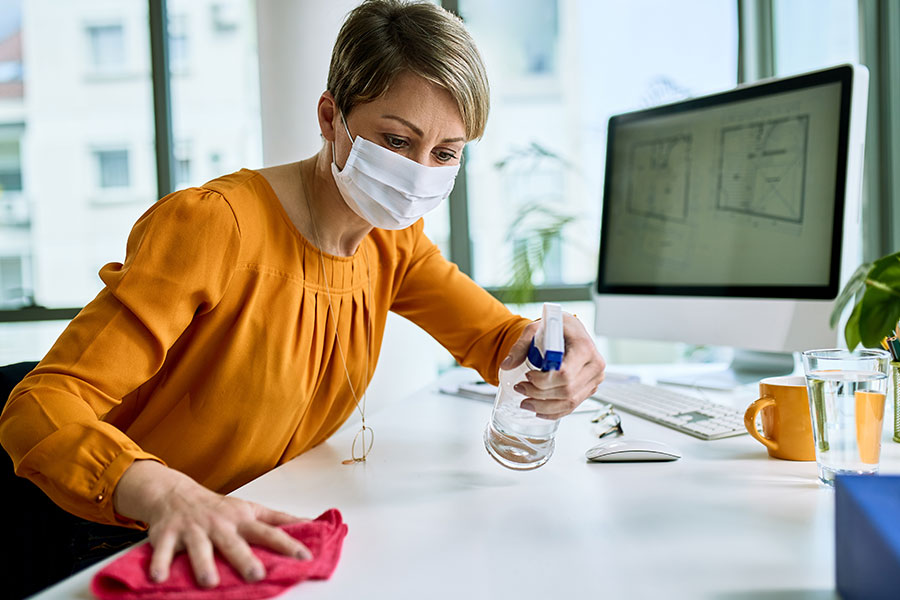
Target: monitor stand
[747,366]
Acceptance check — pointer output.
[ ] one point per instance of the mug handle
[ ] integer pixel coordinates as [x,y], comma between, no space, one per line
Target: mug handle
[750,421]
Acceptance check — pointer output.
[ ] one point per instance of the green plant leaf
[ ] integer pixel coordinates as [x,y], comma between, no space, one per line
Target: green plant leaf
[851,328]
[883,263]
[855,285]
[879,313]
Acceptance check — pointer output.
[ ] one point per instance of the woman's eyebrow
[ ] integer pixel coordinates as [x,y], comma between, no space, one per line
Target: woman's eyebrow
[418,131]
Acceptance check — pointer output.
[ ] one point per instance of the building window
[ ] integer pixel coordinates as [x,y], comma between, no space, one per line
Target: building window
[182,165]
[178,43]
[10,167]
[113,168]
[107,47]
[12,288]
[226,16]
[11,71]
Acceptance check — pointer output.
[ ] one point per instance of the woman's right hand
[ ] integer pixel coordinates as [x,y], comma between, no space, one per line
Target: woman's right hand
[184,515]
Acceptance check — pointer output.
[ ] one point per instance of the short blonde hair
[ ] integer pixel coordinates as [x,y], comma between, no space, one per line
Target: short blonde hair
[381,38]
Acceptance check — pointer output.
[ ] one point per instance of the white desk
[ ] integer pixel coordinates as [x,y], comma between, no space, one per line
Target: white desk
[431,515]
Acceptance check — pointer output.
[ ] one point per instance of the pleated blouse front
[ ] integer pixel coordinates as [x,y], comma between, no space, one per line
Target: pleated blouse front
[219,346]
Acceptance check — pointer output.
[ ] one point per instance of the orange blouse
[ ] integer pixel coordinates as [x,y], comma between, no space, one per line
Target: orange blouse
[211,348]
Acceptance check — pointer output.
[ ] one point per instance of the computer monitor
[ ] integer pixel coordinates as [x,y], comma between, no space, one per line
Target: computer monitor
[725,217]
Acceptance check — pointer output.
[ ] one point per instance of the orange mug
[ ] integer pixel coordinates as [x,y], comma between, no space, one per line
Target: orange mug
[787,427]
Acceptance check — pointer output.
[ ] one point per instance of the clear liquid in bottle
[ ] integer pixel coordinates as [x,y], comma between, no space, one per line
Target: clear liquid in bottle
[517,438]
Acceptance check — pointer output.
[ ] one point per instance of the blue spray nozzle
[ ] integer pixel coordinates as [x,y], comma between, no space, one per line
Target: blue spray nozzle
[548,346]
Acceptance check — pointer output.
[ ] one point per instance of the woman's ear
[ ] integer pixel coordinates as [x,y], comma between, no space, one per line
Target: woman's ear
[327,112]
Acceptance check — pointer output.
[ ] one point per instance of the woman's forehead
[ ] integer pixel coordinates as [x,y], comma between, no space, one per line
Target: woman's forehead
[418,104]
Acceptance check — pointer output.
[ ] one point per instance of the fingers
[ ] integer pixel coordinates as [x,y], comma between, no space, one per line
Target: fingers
[275,517]
[228,526]
[237,552]
[163,551]
[275,539]
[519,350]
[557,408]
[200,552]
[562,384]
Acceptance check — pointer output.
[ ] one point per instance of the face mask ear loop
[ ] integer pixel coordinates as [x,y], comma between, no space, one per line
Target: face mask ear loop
[347,129]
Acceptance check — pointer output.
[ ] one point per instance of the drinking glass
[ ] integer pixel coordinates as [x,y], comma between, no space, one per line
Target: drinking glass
[847,393]
[895,375]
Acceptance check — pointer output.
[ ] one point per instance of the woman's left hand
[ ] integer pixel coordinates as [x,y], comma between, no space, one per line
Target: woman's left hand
[554,394]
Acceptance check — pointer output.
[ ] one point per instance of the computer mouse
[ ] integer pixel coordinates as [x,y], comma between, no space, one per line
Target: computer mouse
[632,451]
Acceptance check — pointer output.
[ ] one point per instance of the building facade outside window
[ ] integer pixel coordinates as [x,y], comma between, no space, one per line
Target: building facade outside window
[85,169]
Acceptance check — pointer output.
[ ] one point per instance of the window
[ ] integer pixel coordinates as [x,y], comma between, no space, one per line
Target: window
[182,172]
[10,166]
[226,16]
[182,175]
[215,104]
[178,43]
[113,168]
[95,134]
[106,47]
[811,34]
[558,70]
[43,142]
[10,71]
[12,284]
[10,53]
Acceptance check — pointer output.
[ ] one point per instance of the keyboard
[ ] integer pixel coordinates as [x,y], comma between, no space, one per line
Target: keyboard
[693,416]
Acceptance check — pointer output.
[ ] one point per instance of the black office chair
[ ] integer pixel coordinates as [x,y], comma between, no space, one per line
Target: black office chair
[31,519]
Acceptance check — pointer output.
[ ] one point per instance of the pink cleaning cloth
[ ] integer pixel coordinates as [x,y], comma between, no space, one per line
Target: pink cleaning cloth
[126,578]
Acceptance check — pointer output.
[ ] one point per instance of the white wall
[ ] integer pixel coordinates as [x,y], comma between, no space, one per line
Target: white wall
[295,41]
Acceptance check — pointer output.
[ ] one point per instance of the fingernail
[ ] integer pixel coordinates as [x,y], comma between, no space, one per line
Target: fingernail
[303,554]
[155,575]
[527,406]
[255,574]
[206,580]
[519,388]
[506,362]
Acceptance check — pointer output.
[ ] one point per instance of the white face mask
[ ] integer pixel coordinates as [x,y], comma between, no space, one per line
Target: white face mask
[386,189]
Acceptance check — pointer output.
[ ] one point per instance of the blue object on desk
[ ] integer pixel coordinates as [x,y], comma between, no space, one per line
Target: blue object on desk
[867,536]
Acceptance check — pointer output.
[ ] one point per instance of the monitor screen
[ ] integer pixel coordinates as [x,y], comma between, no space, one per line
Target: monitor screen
[738,194]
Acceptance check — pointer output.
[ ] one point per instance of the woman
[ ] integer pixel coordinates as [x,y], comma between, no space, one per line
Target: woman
[245,322]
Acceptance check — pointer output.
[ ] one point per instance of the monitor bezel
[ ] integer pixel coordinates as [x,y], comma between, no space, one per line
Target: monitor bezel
[842,74]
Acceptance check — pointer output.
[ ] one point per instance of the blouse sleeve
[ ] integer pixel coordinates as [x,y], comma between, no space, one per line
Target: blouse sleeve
[476,328]
[179,259]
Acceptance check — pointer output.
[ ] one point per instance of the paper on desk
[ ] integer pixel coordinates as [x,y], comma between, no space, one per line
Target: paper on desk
[481,390]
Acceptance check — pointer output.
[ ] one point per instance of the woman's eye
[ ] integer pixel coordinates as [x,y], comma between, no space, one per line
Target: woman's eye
[444,156]
[395,142]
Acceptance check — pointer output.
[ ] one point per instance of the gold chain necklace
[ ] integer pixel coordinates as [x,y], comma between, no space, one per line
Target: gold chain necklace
[365,437]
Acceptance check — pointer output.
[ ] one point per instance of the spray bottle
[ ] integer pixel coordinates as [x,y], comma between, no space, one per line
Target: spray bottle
[515,437]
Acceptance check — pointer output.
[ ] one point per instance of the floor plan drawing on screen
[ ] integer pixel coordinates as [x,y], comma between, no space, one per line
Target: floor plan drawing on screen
[659,178]
[763,168]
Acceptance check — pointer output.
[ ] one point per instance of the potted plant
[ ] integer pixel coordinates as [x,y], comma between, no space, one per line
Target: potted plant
[875,287]
[537,226]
